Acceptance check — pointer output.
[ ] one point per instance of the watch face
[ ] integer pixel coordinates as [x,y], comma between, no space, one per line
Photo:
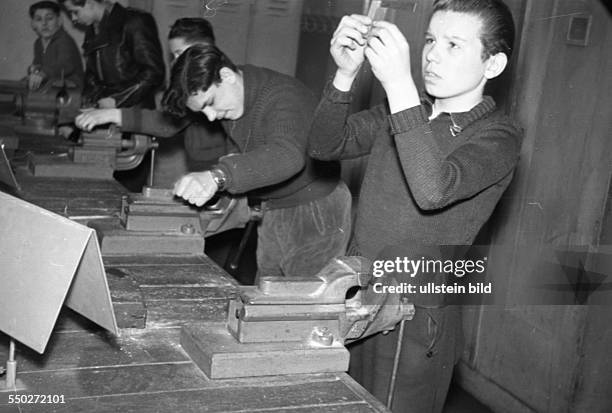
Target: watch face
[219,177]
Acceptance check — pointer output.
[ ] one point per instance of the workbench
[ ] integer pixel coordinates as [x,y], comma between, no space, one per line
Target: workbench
[71,197]
[145,369]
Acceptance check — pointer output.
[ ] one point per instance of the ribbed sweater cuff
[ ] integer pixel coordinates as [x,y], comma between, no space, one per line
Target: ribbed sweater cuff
[407,119]
[335,95]
[131,119]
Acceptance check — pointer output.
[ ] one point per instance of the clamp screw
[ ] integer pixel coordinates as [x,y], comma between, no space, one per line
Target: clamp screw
[322,335]
[187,229]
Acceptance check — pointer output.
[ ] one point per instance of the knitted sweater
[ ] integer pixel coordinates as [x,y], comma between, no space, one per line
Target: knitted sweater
[268,159]
[422,186]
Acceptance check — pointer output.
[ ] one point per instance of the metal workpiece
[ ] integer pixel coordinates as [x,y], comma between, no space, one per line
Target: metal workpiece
[48,261]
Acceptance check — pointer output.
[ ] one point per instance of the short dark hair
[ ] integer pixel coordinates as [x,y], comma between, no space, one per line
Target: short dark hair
[195,69]
[193,30]
[45,5]
[497,23]
[79,3]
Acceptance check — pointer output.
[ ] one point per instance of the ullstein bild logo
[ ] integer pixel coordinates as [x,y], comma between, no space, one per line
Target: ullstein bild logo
[422,266]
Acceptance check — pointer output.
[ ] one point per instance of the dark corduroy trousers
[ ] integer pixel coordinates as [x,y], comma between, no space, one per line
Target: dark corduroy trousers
[431,347]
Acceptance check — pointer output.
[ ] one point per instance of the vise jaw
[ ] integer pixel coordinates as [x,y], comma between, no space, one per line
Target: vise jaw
[313,311]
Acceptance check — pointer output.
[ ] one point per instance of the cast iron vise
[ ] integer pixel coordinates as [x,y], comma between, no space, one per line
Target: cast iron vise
[155,222]
[96,155]
[288,325]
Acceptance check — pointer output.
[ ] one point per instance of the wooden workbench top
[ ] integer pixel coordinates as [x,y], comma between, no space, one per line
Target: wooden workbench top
[146,370]
[71,197]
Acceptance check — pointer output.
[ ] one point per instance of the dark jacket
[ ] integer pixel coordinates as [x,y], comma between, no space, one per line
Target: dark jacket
[61,54]
[124,60]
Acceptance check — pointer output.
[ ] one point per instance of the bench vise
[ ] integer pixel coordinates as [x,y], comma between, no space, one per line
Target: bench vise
[34,115]
[96,155]
[42,109]
[155,222]
[286,325]
[309,310]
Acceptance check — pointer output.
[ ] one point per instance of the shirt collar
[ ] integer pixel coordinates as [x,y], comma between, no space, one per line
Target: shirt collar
[461,120]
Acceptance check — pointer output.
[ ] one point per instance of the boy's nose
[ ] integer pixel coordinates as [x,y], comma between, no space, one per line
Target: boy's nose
[431,55]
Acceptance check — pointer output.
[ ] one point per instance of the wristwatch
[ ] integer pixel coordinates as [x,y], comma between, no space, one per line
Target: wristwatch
[219,177]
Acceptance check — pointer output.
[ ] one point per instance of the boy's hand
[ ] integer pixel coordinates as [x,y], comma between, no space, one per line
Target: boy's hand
[197,188]
[35,80]
[90,118]
[347,48]
[388,52]
[65,131]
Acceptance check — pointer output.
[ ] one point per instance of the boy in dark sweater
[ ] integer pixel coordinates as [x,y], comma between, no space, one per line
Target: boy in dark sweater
[55,51]
[266,117]
[438,166]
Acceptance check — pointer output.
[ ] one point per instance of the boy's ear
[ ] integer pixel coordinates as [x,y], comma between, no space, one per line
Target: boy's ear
[227,75]
[495,64]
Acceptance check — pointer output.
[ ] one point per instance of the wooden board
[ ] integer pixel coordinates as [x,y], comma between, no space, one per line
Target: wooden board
[221,356]
[58,166]
[148,371]
[72,197]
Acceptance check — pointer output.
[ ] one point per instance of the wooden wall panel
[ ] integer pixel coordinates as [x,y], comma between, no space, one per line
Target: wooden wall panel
[547,358]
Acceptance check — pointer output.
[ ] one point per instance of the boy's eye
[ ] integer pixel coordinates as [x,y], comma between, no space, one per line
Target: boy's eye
[429,40]
[454,45]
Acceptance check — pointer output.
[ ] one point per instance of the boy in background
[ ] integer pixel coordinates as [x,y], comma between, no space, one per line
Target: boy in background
[55,51]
